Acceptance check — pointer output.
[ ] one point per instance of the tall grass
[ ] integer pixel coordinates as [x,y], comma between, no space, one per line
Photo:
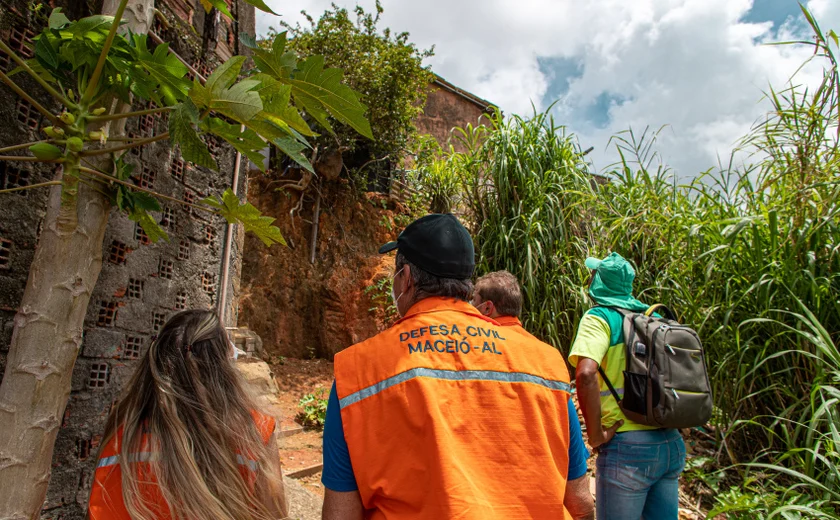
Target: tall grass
[749,255]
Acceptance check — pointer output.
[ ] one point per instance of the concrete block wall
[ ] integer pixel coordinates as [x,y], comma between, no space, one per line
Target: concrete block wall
[141,285]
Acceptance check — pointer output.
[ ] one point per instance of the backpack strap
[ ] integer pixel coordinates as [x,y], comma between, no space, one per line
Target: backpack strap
[624,314]
[609,385]
[666,311]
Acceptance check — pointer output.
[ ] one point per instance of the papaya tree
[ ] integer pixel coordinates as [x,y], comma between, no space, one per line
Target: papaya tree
[94,71]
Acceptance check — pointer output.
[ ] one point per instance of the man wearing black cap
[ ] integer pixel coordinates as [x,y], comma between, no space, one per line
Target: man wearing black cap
[447,414]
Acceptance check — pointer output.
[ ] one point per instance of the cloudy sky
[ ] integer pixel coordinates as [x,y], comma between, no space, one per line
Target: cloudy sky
[699,66]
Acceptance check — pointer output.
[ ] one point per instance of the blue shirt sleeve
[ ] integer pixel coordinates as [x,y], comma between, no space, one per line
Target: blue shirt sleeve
[338,470]
[577,449]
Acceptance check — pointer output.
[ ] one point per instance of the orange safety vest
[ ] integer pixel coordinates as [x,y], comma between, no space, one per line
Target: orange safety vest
[513,322]
[106,496]
[449,415]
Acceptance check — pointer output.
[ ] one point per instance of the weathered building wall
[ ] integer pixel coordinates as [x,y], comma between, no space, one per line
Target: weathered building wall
[446,108]
[141,285]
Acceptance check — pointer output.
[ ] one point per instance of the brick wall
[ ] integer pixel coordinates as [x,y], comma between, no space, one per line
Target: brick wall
[445,110]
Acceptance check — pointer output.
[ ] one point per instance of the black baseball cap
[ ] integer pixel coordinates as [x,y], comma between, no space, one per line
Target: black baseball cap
[438,244]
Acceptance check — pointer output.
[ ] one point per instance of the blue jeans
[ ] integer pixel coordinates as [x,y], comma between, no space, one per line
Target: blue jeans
[638,476]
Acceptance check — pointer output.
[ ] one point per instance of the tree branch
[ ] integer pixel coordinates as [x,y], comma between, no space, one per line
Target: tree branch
[112,117]
[111,178]
[23,145]
[103,57]
[29,99]
[46,86]
[29,159]
[133,144]
[32,186]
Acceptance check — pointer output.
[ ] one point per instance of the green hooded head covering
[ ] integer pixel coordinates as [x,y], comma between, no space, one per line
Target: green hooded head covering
[612,285]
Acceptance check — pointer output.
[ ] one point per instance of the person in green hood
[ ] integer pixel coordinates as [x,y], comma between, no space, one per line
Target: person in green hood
[638,466]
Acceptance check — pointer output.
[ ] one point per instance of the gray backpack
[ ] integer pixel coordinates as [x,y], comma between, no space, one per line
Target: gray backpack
[665,381]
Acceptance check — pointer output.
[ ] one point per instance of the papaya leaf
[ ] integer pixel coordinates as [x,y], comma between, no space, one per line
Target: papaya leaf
[277,107]
[261,5]
[319,90]
[238,101]
[161,77]
[248,215]
[225,74]
[57,19]
[152,228]
[247,142]
[88,27]
[122,169]
[37,68]
[46,53]
[268,130]
[221,5]
[294,149]
[183,133]
[277,63]
[144,201]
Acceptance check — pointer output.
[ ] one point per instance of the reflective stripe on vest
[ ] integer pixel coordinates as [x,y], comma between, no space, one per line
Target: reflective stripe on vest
[454,375]
[148,456]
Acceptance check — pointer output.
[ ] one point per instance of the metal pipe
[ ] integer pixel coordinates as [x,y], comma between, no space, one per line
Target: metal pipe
[223,292]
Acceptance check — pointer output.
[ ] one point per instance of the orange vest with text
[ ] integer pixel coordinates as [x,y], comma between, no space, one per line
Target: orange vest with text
[449,415]
[106,496]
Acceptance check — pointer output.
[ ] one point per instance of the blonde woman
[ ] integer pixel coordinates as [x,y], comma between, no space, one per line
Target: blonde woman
[185,442]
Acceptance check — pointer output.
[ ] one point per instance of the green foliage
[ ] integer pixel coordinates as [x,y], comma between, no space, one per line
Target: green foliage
[182,129]
[317,90]
[248,215]
[313,412]
[223,94]
[748,255]
[248,113]
[762,498]
[523,182]
[221,5]
[380,297]
[702,469]
[439,180]
[384,67]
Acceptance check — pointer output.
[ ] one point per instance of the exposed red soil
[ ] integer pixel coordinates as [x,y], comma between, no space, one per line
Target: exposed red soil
[331,310]
[297,377]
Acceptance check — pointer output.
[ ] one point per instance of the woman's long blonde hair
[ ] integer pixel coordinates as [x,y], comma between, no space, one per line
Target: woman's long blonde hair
[189,398]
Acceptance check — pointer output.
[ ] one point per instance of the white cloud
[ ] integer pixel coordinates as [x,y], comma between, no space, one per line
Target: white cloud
[827,13]
[689,64]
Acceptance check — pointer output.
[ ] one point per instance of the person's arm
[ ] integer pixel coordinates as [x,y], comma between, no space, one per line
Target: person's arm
[274,497]
[589,395]
[589,348]
[342,500]
[578,500]
[342,505]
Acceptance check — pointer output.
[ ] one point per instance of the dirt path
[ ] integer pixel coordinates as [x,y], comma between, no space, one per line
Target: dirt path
[296,378]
